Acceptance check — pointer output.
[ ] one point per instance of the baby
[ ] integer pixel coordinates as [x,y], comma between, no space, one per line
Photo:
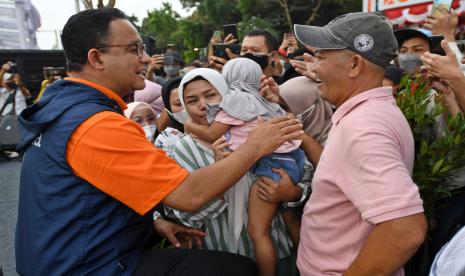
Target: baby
[235,117]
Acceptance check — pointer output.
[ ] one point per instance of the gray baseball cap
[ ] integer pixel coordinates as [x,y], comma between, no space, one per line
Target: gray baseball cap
[366,34]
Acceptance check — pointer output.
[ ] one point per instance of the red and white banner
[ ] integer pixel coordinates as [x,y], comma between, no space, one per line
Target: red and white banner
[417,14]
[382,5]
[369,5]
[402,12]
[394,4]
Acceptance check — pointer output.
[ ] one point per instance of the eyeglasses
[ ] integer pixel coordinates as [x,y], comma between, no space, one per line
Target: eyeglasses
[140,47]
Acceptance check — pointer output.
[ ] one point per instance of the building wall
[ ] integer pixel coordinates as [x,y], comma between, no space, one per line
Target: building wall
[19,21]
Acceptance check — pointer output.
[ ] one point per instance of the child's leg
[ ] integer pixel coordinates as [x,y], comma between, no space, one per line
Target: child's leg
[292,220]
[261,214]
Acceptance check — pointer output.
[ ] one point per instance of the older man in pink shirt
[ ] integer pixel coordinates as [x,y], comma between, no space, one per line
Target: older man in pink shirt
[365,214]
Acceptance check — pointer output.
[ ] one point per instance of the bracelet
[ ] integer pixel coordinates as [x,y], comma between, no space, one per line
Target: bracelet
[282,52]
[156,215]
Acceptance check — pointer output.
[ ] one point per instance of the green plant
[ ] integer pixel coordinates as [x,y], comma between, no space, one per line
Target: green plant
[437,157]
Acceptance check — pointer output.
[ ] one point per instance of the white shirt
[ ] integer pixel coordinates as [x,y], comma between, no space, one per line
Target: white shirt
[20,101]
[450,260]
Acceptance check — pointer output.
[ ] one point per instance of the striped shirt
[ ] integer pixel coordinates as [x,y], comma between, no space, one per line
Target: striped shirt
[167,139]
[213,217]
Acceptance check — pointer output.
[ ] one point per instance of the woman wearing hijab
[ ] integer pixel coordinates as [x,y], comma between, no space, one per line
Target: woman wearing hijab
[143,115]
[151,95]
[167,139]
[235,116]
[225,218]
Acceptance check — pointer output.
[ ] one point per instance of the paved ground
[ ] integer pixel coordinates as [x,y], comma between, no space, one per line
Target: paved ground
[9,184]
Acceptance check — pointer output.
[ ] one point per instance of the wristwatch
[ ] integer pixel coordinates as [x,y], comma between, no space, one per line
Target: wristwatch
[156,215]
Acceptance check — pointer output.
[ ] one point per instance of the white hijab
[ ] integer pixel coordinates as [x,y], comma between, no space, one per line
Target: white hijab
[210,75]
[237,196]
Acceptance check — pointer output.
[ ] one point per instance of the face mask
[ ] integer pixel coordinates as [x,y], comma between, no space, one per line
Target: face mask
[150,132]
[409,62]
[171,71]
[181,116]
[262,60]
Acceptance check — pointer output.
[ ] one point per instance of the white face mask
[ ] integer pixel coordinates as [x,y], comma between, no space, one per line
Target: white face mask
[150,132]
[410,62]
[180,116]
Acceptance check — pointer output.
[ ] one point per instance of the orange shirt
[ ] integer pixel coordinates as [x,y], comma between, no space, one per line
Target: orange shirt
[111,152]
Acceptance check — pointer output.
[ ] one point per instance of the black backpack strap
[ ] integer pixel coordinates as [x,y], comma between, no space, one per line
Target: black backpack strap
[10,99]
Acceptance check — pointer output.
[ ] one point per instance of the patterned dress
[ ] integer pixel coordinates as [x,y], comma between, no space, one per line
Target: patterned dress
[167,139]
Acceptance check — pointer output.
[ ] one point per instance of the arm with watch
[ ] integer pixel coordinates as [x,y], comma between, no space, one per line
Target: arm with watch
[176,234]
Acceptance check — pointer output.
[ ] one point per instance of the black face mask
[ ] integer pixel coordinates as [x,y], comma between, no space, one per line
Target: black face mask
[262,60]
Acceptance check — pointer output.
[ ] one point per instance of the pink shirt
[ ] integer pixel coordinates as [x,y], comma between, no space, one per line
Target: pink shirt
[363,178]
[240,130]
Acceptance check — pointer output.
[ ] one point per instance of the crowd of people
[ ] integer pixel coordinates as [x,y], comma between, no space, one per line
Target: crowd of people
[281,159]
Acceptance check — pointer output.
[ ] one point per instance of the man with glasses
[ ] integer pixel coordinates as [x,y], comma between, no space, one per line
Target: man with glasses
[90,180]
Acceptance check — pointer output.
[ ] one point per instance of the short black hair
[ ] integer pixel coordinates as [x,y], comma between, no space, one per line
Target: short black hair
[86,30]
[166,89]
[195,64]
[271,42]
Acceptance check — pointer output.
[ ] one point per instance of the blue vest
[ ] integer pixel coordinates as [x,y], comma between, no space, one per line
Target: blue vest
[65,224]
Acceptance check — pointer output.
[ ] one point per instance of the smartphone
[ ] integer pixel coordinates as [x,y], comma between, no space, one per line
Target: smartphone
[435,45]
[437,4]
[217,35]
[219,50]
[230,29]
[203,53]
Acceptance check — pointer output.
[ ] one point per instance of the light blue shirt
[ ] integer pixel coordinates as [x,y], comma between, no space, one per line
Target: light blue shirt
[450,260]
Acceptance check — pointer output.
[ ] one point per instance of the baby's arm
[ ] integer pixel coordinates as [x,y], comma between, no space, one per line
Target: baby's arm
[209,133]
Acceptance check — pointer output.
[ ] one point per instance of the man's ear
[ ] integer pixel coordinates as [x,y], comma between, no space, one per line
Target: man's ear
[94,58]
[357,63]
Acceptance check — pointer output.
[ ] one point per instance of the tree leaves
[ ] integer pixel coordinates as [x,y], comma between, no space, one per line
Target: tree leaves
[439,154]
[166,26]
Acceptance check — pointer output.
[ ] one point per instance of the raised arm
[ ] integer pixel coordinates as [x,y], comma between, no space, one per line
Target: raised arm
[312,149]
[208,133]
[447,68]
[197,189]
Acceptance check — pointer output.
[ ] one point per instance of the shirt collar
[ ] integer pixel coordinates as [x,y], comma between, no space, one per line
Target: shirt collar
[107,92]
[351,103]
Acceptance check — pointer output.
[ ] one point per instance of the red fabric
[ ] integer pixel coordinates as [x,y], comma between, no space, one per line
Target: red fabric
[418,13]
[282,52]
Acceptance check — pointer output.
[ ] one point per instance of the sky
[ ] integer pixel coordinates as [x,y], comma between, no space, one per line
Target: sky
[54,15]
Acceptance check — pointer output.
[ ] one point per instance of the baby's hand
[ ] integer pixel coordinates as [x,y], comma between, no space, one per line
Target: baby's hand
[291,115]
[269,89]
[188,126]
[220,149]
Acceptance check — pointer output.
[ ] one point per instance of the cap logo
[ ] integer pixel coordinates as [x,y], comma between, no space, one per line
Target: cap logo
[363,43]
